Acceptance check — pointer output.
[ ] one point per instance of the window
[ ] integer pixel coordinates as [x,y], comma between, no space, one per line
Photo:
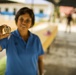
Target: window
[14,11]
[6,9]
[41,11]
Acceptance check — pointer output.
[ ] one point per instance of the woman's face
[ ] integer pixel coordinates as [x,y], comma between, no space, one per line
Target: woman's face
[24,22]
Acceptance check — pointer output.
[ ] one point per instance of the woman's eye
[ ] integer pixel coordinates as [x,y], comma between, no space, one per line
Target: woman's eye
[21,19]
[27,21]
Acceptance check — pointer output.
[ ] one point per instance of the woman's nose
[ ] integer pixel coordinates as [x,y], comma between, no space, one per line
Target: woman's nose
[23,22]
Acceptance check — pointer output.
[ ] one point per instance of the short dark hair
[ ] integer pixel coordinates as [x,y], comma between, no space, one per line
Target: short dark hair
[25,10]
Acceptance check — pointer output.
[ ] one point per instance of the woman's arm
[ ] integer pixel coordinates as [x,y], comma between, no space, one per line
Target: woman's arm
[2,36]
[41,65]
[0,48]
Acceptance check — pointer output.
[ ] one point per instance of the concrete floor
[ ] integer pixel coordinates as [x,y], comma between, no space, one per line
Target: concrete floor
[62,57]
[2,54]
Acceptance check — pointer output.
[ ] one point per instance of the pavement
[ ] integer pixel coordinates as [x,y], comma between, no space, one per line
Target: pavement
[61,59]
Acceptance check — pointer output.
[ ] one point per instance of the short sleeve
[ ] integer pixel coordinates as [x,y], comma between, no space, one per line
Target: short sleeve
[40,51]
[3,43]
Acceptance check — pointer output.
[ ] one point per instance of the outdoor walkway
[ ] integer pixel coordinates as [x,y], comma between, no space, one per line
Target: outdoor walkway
[62,57]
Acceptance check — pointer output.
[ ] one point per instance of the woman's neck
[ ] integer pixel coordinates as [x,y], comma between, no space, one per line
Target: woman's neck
[24,35]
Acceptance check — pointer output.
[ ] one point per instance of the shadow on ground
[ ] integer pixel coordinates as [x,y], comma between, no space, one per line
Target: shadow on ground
[62,57]
[59,70]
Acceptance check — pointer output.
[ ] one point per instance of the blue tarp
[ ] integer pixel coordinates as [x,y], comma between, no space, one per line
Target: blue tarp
[7,13]
[40,15]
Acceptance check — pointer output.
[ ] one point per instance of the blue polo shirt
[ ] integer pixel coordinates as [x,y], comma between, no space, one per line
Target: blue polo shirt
[22,57]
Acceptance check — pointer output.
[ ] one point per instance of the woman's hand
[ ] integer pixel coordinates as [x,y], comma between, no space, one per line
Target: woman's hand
[4,31]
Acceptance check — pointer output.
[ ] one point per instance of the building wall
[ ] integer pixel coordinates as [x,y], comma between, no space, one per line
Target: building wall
[45,8]
[35,7]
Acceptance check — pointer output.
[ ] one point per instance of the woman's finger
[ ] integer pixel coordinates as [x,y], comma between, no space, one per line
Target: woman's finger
[2,36]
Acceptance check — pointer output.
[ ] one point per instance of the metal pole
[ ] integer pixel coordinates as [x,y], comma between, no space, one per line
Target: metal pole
[32,4]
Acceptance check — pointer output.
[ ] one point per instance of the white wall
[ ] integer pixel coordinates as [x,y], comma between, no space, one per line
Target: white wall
[47,9]
[11,6]
[36,7]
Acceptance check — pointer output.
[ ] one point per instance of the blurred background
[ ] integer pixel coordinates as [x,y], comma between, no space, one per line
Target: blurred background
[55,24]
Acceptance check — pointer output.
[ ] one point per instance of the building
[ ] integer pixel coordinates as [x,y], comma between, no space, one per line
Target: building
[41,8]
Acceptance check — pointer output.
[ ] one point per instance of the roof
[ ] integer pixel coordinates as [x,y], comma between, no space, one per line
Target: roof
[64,2]
[25,1]
[6,1]
[37,2]
[12,1]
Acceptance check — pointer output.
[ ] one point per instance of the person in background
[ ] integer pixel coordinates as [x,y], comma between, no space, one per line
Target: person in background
[69,19]
[23,48]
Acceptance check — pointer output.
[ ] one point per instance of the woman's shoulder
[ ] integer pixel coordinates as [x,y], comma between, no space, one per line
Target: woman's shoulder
[35,36]
[13,34]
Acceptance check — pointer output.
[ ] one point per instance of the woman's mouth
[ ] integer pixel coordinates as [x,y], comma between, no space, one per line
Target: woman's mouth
[23,26]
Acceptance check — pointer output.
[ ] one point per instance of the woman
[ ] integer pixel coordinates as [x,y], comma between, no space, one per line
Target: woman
[23,48]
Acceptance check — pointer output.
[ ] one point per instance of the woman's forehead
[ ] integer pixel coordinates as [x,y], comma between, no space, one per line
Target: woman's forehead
[25,15]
